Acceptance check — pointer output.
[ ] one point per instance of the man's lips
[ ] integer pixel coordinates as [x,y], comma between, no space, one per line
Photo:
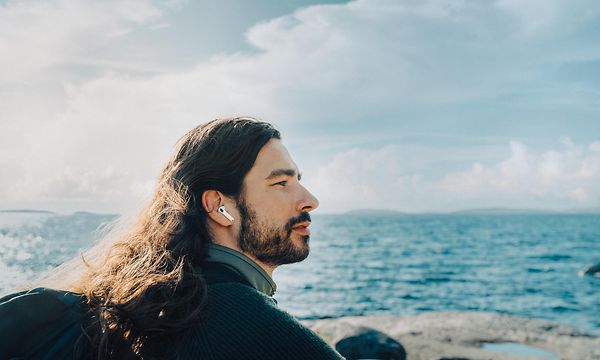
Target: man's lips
[302,228]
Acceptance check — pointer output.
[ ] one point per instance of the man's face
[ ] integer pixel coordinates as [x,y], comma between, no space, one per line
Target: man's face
[274,209]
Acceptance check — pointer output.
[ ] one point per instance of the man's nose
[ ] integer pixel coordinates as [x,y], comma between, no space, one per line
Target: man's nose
[308,201]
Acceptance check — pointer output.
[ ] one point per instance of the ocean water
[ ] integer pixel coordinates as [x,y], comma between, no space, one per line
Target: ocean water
[523,265]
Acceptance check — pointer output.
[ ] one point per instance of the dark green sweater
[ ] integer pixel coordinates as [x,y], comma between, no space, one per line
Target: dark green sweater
[242,320]
[238,322]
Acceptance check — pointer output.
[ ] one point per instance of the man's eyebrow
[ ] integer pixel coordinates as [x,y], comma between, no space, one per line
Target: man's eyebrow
[279,172]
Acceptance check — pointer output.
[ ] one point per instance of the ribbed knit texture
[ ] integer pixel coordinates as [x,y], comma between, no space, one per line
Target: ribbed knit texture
[240,322]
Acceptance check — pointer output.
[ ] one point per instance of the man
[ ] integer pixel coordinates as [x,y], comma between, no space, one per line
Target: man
[192,279]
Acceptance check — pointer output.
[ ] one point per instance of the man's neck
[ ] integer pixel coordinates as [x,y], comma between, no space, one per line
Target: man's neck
[267,268]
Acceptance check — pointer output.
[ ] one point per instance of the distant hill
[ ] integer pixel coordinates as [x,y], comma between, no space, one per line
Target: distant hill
[374,212]
[584,211]
[508,211]
[33,211]
[28,211]
[502,211]
[88,213]
[481,211]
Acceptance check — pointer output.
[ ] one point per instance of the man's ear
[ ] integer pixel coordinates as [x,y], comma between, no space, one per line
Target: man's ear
[211,200]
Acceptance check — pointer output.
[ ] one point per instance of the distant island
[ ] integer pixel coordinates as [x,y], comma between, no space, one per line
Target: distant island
[374,212]
[28,211]
[509,211]
[477,211]
[503,211]
[47,212]
[89,213]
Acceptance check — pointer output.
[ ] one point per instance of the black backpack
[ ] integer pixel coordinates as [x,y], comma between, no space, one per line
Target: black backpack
[41,323]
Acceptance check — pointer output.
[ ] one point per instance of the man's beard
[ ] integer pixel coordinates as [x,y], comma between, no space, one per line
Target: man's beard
[268,243]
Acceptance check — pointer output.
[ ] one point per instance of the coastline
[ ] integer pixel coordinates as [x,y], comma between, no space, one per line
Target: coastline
[465,335]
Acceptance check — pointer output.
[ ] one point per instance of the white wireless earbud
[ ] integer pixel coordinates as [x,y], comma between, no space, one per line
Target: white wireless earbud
[222,210]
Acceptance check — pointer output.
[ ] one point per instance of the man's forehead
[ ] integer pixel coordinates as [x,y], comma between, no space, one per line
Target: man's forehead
[273,156]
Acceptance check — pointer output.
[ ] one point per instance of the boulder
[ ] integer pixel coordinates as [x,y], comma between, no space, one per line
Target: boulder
[361,342]
[456,335]
[592,270]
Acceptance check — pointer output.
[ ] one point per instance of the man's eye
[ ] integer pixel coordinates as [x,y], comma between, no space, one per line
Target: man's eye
[282,183]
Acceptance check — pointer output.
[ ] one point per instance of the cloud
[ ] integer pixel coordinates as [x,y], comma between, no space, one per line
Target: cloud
[42,34]
[571,175]
[548,17]
[78,118]
[395,177]
[360,178]
[44,41]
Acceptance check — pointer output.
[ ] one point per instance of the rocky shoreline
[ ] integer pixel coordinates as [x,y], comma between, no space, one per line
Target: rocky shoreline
[454,335]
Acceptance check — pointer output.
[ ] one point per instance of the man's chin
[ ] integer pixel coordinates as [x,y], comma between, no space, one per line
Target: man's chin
[297,258]
[305,248]
[302,242]
[301,250]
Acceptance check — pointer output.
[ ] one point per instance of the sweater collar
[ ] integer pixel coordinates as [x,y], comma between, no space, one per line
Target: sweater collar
[247,267]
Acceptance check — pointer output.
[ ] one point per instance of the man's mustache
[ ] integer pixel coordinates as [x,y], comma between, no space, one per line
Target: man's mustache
[304,216]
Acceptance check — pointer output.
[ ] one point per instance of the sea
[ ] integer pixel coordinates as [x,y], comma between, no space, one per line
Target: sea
[367,263]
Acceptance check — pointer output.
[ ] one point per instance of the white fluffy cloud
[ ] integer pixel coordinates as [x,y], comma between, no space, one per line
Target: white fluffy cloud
[366,179]
[46,47]
[567,177]
[74,123]
[394,177]
[37,35]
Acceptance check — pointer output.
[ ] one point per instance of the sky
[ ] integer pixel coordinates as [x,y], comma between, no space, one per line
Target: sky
[416,106]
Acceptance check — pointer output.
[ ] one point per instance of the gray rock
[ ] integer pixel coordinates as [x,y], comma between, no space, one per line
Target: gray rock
[370,344]
[446,335]
[361,342]
[592,270]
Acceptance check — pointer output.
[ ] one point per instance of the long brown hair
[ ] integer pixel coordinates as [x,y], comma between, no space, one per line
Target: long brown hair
[148,285]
